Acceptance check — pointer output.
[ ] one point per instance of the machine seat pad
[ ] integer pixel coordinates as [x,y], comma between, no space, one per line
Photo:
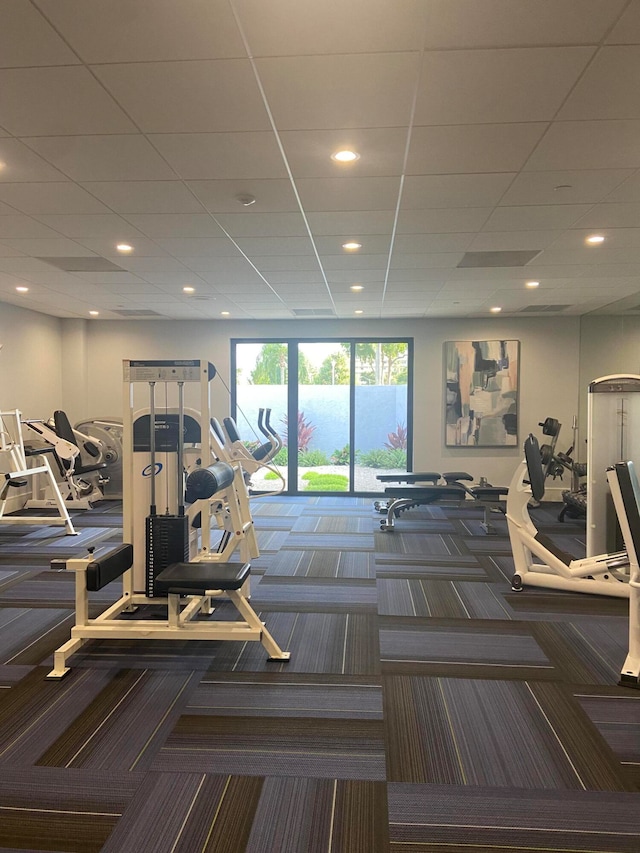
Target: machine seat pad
[426,494]
[410,477]
[453,476]
[197,578]
[108,568]
[489,493]
[551,546]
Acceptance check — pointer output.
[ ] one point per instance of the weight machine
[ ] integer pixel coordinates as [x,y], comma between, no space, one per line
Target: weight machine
[604,574]
[23,463]
[172,561]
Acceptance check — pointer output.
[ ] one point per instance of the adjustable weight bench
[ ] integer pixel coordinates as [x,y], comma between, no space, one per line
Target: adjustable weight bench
[424,488]
[188,587]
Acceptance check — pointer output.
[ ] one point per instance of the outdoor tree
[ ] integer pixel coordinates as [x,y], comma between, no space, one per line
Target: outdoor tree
[334,370]
[272,367]
[381,363]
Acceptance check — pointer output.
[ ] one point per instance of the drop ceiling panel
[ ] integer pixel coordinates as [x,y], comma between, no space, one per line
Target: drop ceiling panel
[156,30]
[27,39]
[103,158]
[433,260]
[284,28]
[485,86]
[100,226]
[347,277]
[429,191]
[226,86]
[442,220]
[275,245]
[255,224]
[142,196]
[290,262]
[627,28]
[17,225]
[347,193]
[608,88]
[221,155]
[378,94]
[170,225]
[534,217]
[57,100]
[611,215]
[49,248]
[422,243]
[353,224]
[503,23]
[225,196]
[189,249]
[588,145]
[52,197]
[22,164]
[566,187]
[512,241]
[472,148]
[377,244]
[628,190]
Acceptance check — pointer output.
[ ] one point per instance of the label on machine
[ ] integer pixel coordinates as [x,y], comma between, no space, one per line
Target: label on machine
[182,370]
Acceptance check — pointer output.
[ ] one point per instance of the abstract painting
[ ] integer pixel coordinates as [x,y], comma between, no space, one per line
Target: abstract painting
[481,393]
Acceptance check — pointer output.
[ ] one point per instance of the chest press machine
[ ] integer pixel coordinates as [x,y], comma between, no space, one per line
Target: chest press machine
[171,561]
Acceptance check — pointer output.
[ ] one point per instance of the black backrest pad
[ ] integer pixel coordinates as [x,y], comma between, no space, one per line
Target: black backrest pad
[534,466]
[108,568]
[630,491]
[63,427]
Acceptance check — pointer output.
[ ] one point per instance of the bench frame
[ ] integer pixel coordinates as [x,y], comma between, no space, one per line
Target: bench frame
[182,612]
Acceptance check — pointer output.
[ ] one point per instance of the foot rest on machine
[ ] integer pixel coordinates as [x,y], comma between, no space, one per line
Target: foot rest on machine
[198,578]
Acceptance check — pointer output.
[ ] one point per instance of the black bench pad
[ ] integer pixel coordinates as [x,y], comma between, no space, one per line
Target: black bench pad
[109,568]
[410,477]
[197,578]
[489,493]
[426,494]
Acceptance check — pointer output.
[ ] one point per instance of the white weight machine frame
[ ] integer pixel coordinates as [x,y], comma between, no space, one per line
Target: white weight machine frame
[604,574]
[625,491]
[13,451]
[189,596]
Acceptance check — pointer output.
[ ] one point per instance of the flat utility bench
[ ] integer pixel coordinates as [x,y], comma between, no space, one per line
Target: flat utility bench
[427,487]
[188,587]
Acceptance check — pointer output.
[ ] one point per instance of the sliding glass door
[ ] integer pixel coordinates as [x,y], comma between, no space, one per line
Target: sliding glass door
[341,407]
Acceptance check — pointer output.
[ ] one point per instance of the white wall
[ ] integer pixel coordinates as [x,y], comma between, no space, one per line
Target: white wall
[30,362]
[549,369]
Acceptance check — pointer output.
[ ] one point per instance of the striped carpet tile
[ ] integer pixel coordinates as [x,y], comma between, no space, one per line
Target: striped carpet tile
[460,820]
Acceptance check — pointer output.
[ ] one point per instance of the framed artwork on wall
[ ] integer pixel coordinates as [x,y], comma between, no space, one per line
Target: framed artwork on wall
[481,408]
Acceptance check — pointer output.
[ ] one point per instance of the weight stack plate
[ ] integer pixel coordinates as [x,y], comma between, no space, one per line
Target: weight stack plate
[167,540]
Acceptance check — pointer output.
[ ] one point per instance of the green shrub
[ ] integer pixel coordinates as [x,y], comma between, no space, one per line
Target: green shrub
[383,458]
[281,457]
[271,475]
[341,457]
[312,458]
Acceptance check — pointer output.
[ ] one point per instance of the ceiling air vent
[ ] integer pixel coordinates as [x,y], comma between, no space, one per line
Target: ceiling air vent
[543,309]
[93,264]
[497,259]
[313,312]
[135,312]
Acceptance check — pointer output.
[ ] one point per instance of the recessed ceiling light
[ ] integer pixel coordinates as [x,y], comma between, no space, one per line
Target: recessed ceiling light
[124,248]
[532,284]
[22,289]
[3,165]
[345,156]
[495,310]
[356,288]
[595,238]
[188,289]
[351,247]
[358,311]
[225,313]
[94,313]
